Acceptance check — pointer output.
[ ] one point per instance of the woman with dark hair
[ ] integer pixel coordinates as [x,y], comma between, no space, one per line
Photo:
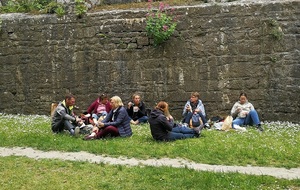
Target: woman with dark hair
[163,127]
[244,113]
[100,107]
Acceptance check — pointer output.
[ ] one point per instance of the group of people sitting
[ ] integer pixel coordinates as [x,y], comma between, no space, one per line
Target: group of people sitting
[108,117]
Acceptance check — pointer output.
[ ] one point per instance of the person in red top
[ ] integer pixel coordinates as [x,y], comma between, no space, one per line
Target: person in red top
[100,107]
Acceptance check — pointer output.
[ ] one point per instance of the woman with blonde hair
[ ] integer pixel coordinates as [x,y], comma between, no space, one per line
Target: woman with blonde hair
[163,127]
[116,123]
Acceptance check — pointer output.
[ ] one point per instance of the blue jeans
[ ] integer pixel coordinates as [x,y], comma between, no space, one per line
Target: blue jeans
[251,119]
[143,119]
[189,115]
[181,133]
[97,116]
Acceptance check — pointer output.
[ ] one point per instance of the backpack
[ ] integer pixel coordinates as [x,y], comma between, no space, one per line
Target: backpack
[196,120]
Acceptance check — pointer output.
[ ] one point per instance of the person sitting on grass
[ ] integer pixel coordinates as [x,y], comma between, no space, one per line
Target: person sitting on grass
[137,110]
[244,113]
[196,121]
[163,127]
[99,108]
[194,106]
[115,124]
[64,117]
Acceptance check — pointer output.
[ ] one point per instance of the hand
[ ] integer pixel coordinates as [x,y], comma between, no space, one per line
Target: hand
[197,110]
[95,129]
[129,104]
[77,119]
[188,108]
[101,124]
[169,118]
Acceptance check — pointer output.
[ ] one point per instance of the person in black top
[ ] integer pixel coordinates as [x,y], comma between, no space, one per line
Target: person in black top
[163,128]
[137,110]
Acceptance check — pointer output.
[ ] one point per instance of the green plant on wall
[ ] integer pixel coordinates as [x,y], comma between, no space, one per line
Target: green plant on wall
[80,8]
[276,31]
[0,25]
[160,24]
[54,7]
[33,6]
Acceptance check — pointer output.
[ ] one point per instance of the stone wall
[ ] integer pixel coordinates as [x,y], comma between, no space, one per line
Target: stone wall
[218,50]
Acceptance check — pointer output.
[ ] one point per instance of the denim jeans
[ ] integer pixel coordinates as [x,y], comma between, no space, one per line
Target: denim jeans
[189,115]
[143,119]
[97,116]
[251,119]
[181,133]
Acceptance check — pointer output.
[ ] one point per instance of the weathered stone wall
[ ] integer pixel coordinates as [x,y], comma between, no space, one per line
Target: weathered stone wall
[218,50]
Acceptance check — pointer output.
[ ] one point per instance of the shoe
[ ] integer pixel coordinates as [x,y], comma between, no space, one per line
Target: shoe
[88,137]
[77,131]
[72,132]
[206,125]
[197,130]
[259,128]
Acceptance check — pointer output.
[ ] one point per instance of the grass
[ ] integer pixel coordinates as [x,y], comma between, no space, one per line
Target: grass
[277,146]
[56,174]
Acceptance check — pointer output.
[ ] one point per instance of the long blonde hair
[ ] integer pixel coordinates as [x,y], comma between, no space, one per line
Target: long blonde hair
[164,107]
[117,100]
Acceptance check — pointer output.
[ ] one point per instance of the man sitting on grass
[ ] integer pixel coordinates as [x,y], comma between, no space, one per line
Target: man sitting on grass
[64,118]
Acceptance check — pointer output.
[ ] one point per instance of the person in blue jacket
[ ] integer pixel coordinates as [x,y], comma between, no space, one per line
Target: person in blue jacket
[115,124]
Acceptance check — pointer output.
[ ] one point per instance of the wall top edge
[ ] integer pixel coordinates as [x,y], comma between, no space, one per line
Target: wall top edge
[11,16]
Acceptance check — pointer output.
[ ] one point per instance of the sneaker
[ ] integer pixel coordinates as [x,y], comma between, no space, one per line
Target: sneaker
[259,128]
[197,130]
[206,125]
[77,131]
[89,137]
[72,132]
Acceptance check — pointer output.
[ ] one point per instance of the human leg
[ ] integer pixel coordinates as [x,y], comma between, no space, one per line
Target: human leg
[143,119]
[204,120]
[69,126]
[182,133]
[58,127]
[187,117]
[174,136]
[95,119]
[108,131]
[238,121]
[183,130]
[253,119]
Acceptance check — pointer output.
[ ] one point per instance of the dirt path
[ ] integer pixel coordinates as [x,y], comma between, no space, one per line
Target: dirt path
[293,173]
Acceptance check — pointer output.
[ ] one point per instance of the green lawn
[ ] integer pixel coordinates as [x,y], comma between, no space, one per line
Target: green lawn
[277,146]
[24,173]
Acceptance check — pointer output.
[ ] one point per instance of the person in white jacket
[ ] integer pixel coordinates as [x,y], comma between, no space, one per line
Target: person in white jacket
[244,113]
[194,106]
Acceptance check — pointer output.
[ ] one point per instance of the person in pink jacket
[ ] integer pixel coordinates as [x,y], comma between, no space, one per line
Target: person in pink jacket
[100,107]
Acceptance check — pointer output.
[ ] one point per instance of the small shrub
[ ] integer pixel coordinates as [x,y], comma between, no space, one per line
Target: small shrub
[160,24]
[32,6]
[60,11]
[54,7]
[80,8]
[276,31]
